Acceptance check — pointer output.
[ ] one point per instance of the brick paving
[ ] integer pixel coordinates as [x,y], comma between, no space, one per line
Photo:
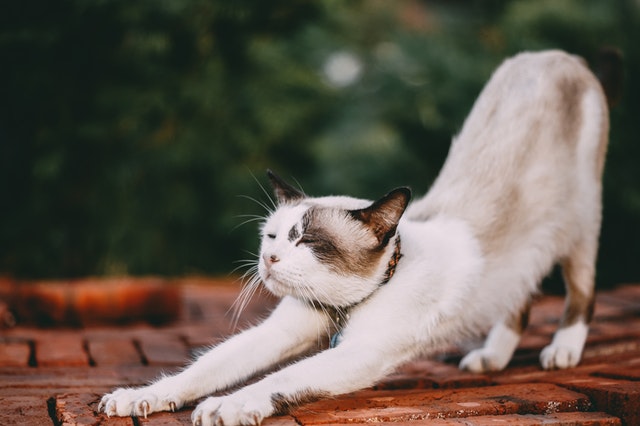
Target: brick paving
[56,376]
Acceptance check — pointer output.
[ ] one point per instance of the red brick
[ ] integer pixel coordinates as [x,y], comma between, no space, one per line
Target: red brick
[621,372]
[280,421]
[376,406]
[618,397]
[74,409]
[74,377]
[24,410]
[615,329]
[546,310]
[43,303]
[163,350]
[181,418]
[603,352]
[531,341]
[114,352]
[14,354]
[557,419]
[427,374]
[627,297]
[59,349]
[200,335]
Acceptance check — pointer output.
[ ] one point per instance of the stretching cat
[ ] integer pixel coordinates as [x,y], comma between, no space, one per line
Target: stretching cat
[519,192]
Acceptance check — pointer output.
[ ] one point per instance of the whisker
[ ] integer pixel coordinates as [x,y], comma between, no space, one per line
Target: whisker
[299,185]
[251,282]
[250,220]
[264,190]
[262,204]
[245,264]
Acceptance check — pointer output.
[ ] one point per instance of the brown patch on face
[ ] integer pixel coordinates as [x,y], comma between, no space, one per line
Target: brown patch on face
[283,404]
[294,234]
[570,91]
[335,249]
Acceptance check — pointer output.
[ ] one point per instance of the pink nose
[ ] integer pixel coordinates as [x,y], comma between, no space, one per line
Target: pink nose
[270,259]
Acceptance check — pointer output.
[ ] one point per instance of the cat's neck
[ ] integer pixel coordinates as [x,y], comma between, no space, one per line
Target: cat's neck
[392,264]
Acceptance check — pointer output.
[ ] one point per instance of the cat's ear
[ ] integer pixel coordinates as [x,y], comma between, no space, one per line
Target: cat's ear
[285,193]
[383,215]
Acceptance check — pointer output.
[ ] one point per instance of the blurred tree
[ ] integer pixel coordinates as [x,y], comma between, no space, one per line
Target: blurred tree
[129,131]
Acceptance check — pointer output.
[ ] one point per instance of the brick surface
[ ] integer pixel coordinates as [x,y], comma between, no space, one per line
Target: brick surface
[24,410]
[368,406]
[618,397]
[14,354]
[114,352]
[557,419]
[16,379]
[56,376]
[77,409]
[623,373]
[163,350]
[428,374]
[56,349]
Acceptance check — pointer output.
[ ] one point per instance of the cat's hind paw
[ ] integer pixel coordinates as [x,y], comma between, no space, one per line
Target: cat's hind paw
[483,360]
[141,402]
[565,350]
[555,357]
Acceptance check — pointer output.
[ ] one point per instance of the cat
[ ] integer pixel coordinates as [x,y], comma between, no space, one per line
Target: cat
[391,280]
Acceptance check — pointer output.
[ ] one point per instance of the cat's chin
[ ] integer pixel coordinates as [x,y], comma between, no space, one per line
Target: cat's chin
[276,287]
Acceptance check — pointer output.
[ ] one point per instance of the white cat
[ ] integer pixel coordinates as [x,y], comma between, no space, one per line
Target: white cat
[519,192]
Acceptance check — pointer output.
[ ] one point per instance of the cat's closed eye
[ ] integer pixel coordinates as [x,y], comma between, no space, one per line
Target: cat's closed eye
[307,240]
[271,236]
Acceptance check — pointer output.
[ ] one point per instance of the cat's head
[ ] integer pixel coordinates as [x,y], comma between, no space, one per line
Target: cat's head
[331,250]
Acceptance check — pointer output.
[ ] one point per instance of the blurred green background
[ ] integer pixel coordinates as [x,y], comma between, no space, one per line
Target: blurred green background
[133,133]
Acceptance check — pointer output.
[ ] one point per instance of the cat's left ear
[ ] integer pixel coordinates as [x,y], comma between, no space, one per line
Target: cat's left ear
[383,215]
[285,193]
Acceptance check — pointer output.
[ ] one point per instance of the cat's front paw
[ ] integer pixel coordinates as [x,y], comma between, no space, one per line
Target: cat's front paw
[125,402]
[235,409]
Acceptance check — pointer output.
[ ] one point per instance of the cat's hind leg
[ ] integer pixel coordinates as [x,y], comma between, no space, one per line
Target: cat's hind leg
[500,344]
[568,342]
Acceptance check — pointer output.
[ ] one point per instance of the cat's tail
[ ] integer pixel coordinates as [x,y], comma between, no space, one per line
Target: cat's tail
[609,70]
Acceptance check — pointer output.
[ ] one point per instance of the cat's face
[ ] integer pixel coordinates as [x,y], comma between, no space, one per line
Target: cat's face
[332,250]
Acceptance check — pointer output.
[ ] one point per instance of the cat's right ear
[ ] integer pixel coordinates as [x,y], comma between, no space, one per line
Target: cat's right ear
[285,193]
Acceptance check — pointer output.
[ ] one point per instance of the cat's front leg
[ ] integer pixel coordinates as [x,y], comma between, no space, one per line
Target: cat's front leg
[292,328]
[346,368]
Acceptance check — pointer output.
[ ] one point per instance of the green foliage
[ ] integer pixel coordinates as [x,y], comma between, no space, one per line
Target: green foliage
[130,132]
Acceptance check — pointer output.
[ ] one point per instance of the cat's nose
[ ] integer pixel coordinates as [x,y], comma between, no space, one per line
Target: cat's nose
[270,259]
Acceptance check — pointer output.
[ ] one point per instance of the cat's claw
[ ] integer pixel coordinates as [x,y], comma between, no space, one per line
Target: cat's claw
[137,402]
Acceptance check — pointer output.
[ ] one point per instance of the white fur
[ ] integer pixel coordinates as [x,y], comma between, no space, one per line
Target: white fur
[511,201]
